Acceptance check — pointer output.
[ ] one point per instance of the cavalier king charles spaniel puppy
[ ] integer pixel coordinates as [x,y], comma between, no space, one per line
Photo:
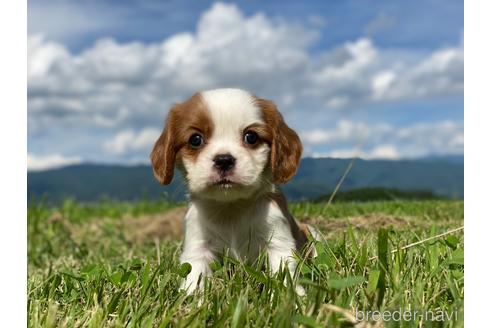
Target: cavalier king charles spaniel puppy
[233,150]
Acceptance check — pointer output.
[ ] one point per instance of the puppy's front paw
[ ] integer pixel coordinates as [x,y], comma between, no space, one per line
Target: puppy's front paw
[195,279]
[189,285]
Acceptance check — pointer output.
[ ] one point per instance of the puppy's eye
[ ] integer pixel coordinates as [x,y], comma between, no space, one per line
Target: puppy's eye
[195,140]
[250,137]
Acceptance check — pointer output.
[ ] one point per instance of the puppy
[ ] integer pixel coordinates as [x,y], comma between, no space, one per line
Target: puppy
[233,150]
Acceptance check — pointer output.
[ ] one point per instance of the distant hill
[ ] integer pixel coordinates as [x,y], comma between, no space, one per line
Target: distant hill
[459,159]
[317,177]
[370,194]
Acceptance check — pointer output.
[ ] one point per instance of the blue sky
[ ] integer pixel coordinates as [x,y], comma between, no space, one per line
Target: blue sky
[377,79]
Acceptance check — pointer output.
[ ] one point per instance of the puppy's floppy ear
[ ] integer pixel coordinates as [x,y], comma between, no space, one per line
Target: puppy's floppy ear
[286,147]
[163,155]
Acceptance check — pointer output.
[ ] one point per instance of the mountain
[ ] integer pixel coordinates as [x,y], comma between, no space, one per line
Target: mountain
[321,175]
[460,159]
[90,182]
[317,177]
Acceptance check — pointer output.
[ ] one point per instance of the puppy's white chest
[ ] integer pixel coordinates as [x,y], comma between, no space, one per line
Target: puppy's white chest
[242,238]
[239,233]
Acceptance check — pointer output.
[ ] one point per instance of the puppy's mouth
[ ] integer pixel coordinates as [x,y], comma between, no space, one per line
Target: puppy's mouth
[225,183]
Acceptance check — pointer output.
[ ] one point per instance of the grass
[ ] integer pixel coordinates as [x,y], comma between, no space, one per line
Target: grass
[83,270]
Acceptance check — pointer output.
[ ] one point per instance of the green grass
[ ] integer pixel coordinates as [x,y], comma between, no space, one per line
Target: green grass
[84,271]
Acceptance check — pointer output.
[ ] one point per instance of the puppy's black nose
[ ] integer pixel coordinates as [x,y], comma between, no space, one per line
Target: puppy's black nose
[224,162]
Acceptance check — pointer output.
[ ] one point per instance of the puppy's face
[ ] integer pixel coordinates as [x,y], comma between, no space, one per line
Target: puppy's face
[228,143]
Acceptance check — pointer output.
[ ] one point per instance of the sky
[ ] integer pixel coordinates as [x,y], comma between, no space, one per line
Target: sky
[375,79]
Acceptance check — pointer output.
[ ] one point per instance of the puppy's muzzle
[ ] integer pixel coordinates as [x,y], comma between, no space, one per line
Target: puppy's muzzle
[224,162]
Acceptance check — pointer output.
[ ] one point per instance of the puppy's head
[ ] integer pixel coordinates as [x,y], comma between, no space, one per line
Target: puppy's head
[229,145]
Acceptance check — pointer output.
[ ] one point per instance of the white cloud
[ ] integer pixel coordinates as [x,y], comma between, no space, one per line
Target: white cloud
[381,82]
[44,162]
[441,73]
[358,72]
[41,56]
[359,56]
[114,87]
[339,77]
[130,141]
[231,49]
[386,151]
[346,131]
[348,139]
[228,49]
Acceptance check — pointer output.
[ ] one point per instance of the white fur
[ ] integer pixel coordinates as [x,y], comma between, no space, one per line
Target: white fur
[241,230]
[239,220]
[231,110]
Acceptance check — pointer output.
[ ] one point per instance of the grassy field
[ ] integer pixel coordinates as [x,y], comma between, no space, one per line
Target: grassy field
[116,265]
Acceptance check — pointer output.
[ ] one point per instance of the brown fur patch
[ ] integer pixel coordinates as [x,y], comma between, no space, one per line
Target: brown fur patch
[304,228]
[182,122]
[286,147]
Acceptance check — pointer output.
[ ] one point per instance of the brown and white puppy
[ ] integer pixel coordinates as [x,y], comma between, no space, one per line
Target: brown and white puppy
[233,149]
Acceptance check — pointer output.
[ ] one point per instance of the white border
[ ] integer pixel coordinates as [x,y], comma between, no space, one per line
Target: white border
[478,183]
[478,104]
[13,118]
